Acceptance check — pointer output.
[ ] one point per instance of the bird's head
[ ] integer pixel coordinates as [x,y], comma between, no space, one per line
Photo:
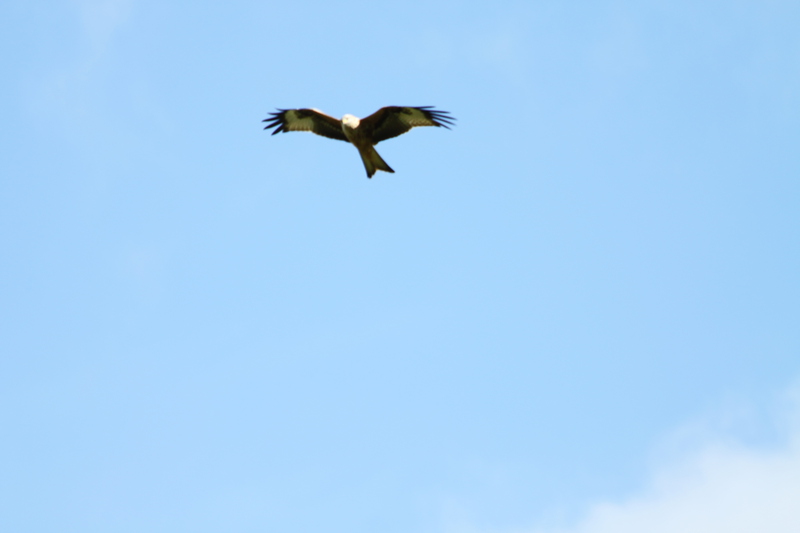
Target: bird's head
[350,121]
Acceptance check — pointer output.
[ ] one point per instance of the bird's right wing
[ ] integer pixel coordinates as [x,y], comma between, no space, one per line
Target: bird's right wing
[305,120]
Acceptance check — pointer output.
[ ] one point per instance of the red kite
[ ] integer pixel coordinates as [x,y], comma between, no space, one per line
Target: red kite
[385,123]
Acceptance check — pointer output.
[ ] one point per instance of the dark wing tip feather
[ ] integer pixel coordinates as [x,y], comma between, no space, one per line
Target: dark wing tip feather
[276,120]
[439,117]
[305,120]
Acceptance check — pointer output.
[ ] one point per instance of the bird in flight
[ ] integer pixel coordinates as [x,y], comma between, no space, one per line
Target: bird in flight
[365,133]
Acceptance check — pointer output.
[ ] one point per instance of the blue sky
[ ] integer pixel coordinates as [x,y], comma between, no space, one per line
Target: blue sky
[577,311]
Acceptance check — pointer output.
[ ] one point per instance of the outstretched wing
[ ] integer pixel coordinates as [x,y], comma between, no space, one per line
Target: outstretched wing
[305,120]
[388,122]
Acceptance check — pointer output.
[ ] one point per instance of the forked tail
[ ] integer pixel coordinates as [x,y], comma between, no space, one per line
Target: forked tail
[373,161]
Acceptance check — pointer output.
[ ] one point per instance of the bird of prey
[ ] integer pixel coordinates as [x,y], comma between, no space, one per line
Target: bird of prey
[365,133]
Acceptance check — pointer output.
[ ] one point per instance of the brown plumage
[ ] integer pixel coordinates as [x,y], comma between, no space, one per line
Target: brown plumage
[365,133]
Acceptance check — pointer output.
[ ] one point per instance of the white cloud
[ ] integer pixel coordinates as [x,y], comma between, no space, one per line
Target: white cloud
[722,488]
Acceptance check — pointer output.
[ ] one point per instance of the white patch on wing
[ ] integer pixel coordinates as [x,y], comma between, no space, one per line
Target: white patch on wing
[295,122]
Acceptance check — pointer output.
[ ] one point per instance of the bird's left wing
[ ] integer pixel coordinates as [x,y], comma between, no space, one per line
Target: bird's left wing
[305,120]
[388,122]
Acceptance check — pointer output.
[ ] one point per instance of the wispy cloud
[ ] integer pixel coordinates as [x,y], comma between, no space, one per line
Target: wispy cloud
[70,85]
[70,95]
[723,487]
[142,267]
[499,45]
[101,19]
